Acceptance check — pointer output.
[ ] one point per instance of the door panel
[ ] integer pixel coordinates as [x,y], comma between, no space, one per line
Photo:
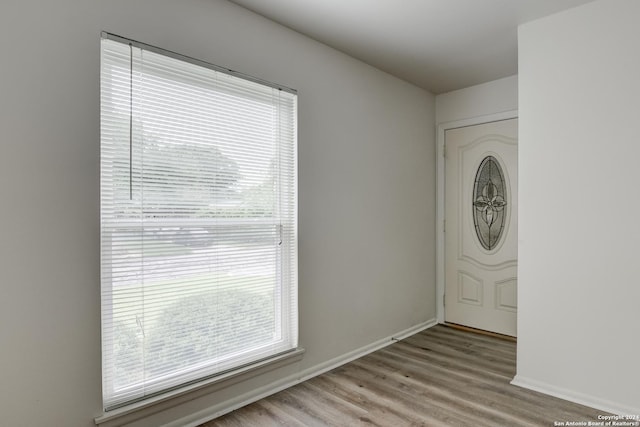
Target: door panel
[481,211]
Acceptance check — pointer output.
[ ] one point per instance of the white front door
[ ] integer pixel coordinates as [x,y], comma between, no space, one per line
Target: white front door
[481,214]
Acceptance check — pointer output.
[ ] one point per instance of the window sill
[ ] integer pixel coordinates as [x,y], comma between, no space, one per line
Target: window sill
[147,407]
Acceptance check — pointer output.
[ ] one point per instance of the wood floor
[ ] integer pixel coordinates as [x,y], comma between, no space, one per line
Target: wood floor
[438,377]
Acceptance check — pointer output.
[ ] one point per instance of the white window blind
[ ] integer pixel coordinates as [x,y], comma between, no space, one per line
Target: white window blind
[198,221]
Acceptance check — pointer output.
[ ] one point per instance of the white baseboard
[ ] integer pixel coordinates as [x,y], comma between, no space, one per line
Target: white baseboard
[574,396]
[260,393]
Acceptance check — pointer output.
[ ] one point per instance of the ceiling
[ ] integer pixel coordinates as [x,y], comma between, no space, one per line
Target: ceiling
[439,45]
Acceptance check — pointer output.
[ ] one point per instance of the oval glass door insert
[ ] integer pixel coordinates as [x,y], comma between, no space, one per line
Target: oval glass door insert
[489,202]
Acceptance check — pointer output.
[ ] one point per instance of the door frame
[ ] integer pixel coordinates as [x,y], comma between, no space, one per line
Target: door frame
[440,187]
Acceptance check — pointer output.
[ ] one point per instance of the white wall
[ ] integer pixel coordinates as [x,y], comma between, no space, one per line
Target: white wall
[480,100]
[579,288]
[366,183]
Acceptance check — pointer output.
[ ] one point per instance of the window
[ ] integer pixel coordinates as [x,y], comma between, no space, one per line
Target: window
[198,220]
[489,199]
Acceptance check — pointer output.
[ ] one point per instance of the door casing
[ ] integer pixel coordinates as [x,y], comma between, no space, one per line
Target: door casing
[440,207]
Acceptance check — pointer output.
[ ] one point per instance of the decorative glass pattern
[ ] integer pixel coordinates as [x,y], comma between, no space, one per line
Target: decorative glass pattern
[489,202]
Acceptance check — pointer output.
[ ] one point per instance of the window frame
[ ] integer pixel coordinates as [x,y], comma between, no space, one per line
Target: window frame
[281,263]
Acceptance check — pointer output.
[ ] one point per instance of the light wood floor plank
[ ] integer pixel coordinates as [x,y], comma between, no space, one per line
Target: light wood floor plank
[439,377]
[474,395]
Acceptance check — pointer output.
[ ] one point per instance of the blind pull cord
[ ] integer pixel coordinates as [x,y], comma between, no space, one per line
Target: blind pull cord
[278,104]
[130,121]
